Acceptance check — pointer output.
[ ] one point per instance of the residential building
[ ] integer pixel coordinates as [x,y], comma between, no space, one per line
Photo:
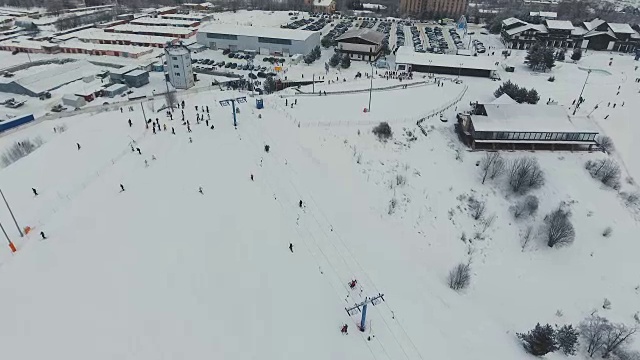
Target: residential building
[321,6]
[361,44]
[434,8]
[596,34]
[259,39]
[178,66]
[505,124]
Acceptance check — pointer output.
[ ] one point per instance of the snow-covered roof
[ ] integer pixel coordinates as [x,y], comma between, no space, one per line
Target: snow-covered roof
[177,50]
[162,21]
[72,97]
[269,32]
[322,3]
[195,16]
[511,21]
[374,6]
[116,87]
[49,78]
[559,24]
[365,34]
[621,28]
[544,14]
[503,99]
[130,49]
[531,118]
[95,34]
[537,27]
[577,30]
[406,55]
[170,30]
[4,19]
[593,23]
[596,33]
[137,72]
[123,70]
[28,44]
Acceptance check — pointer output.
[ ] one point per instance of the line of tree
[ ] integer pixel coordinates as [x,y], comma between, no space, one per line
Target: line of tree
[517,93]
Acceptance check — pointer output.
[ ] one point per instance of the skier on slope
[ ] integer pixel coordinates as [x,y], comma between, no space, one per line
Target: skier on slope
[78,144]
[43,235]
[353,283]
[35,192]
[130,123]
[121,188]
[344,328]
[200,190]
[300,204]
[291,247]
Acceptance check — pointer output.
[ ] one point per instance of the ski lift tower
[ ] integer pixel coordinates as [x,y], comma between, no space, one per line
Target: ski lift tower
[233,101]
[356,308]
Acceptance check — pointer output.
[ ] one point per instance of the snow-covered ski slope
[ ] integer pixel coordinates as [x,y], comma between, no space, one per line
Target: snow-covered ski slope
[160,271]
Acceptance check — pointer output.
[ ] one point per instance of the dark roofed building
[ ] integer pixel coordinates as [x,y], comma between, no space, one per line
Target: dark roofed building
[361,44]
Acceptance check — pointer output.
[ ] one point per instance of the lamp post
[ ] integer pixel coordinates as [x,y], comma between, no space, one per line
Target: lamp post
[370,87]
[429,68]
[459,70]
[581,91]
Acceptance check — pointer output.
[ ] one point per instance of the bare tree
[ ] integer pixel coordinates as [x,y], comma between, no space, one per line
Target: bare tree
[171,98]
[594,331]
[606,144]
[559,229]
[605,170]
[491,165]
[527,206]
[460,277]
[19,150]
[617,335]
[525,174]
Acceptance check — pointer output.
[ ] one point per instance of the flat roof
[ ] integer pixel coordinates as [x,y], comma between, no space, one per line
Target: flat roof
[162,21]
[105,47]
[96,34]
[531,118]
[546,14]
[173,30]
[55,76]
[559,24]
[27,44]
[406,55]
[177,50]
[198,16]
[123,70]
[116,87]
[137,72]
[269,32]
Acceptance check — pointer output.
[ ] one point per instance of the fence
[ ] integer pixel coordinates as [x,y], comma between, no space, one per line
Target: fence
[303,93]
[441,109]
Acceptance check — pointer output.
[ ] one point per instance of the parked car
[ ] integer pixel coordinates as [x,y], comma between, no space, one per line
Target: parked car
[225,51]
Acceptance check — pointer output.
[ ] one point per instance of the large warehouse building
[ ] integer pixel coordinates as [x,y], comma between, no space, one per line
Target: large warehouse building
[261,39]
[408,60]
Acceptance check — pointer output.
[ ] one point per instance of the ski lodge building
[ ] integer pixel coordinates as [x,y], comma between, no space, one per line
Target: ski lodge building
[361,44]
[505,124]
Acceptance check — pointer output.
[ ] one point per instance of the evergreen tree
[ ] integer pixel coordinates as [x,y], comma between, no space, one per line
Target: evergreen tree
[560,54]
[334,60]
[316,53]
[326,42]
[269,85]
[540,57]
[345,62]
[567,339]
[539,341]
[507,87]
[549,60]
[577,54]
[309,59]
[532,96]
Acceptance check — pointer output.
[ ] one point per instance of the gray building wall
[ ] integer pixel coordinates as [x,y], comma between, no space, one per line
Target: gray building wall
[137,81]
[261,45]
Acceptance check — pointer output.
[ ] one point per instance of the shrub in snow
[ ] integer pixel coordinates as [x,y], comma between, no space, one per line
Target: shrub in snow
[527,207]
[559,230]
[400,180]
[630,199]
[539,341]
[605,170]
[383,131]
[392,206]
[476,208]
[603,337]
[491,165]
[607,231]
[567,339]
[19,150]
[345,62]
[460,277]
[577,54]
[551,79]
[606,144]
[60,128]
[606,304]
[525,174]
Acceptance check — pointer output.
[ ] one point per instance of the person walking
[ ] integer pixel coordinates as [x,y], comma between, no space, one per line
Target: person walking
[130,123]
[35,192]
[78,144]
[291,247]
[121,188]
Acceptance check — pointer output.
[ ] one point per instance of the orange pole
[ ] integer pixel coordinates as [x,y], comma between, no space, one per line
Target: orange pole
[13,247]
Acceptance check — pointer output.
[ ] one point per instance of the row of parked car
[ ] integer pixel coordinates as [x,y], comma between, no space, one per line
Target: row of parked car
[385,28]
[437,42]
[415,36]
[456,38]
[318,24]
[479,46]
[296,24]
[399,35]
[338,30]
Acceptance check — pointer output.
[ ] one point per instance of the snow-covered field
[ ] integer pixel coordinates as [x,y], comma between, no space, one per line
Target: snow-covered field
[162,271]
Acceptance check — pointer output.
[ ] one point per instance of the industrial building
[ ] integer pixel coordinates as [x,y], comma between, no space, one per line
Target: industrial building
[505,124]
[149,21]
[74,101]
[260,39]
[29,46]
[102,37]
[115,90]
[128,51]
[35,82]
[168,31]
[136,78]
[408,60]
[178,66]
[361,44]
[199,17]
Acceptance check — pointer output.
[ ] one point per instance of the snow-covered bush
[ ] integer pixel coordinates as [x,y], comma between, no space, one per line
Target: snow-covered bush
[392,206]
[607,171]
[476,208]
[540,340]
[525,174]
[567,339]
[19,150]
[460,277]
[603,337]
[383,131]
[559,230]
[527,206]
[606,144]
[607,231]
[492,165]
